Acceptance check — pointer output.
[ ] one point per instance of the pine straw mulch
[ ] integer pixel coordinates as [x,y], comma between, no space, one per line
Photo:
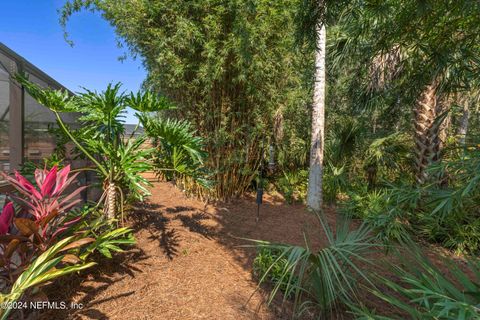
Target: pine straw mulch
[187,263]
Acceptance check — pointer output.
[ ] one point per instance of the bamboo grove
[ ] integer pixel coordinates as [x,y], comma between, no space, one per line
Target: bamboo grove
[230,69]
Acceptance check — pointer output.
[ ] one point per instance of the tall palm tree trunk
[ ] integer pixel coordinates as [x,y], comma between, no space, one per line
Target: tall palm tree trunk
[428,129]
[315,176]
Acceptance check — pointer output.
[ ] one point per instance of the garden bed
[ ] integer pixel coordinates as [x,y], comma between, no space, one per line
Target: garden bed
[187,263]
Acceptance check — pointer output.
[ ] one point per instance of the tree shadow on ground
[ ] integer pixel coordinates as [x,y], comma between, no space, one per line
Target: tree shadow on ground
[167,222]
[148,216]
[194,224]
[230,224]
[83,290]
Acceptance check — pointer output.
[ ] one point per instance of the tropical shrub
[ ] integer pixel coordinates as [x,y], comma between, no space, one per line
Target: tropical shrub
[448,213]
[99,138]
[46,207]
[388,219]
[444,211]
[334,183]
[28,168]
[293,185]
[268,266]
[119,161]
[321,279]
[342,142]
[46,237]
[95,225]
[386,158]
[179,154]
[362,203]
[32,236]
[423,291]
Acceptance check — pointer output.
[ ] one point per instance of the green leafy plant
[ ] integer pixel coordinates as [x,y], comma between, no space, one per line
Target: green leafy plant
[386,156]
[100,137]
[383,211]
[110,241]
[363,204]
[95,225]
[268,264]
[334,182]
[293,185]
[445,210]
[178,152]
[321,278]
[53,263]
[342,142]
[423,291]
[120,161]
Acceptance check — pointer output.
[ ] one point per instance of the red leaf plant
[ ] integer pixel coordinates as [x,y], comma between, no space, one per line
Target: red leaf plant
[33,230]
[6,218]
[45,204]
[41,218]
[10,243]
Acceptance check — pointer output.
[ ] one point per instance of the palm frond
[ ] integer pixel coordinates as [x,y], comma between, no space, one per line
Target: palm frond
[324,277]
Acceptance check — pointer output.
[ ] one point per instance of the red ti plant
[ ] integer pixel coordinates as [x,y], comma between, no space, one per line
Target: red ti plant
[44,205]
[30,247]
[9,243]
[6,218]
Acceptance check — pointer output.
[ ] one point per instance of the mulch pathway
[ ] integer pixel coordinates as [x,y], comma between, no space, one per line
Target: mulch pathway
[187,263]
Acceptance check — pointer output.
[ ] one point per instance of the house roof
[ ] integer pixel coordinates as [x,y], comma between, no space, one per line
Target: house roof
[130,128]
[28,67]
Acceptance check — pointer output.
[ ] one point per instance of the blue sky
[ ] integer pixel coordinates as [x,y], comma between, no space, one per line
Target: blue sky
[31,28]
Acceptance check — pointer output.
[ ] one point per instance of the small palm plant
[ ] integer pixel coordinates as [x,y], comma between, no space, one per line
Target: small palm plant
[321,278]
[423,291]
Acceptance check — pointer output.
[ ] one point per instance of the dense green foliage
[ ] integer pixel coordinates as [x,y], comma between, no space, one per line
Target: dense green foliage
[319,279]
[119,160]
[230,68]
[241,73]
[179,154]
[381,57]
[424,291]
[269,265]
